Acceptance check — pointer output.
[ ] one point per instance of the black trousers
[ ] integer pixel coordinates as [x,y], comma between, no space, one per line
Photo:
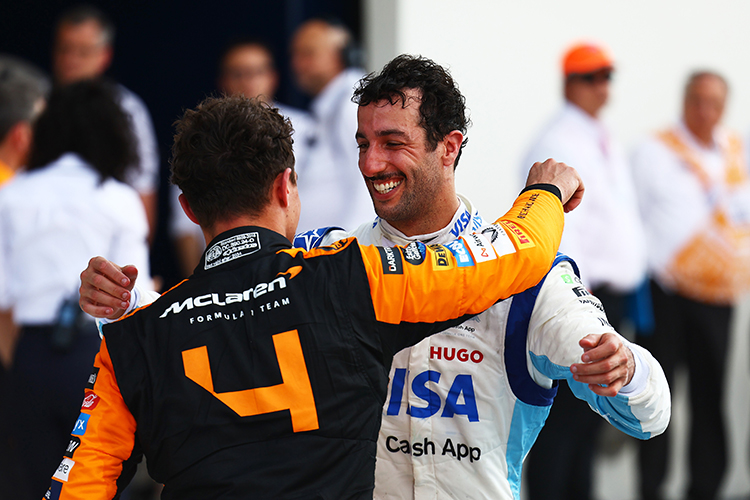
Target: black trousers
[560,464]
[41,399]
[693,335]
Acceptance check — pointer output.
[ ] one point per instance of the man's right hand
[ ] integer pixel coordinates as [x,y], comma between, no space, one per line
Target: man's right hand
[564,177]
[105,288]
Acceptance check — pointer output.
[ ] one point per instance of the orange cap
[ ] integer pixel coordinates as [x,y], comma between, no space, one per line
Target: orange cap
[585,58]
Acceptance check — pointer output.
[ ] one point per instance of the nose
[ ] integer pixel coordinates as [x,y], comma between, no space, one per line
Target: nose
[372,161]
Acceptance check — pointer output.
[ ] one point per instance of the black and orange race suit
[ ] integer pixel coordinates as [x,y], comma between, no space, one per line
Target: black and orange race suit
[263,375]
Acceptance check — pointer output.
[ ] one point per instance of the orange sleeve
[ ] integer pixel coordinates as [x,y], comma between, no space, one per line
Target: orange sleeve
[102,439]
[442,282]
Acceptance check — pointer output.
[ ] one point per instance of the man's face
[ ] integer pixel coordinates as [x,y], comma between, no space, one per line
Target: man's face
[316,56]
[80,52]
[248,70]
[589,92]
[704,105]
[404,176]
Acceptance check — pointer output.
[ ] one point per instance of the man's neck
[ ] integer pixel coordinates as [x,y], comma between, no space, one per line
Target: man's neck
[429,223]
[702,137]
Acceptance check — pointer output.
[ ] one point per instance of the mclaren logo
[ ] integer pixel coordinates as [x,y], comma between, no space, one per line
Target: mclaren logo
[232,298]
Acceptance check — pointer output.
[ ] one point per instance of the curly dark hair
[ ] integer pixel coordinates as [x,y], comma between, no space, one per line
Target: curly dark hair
[226,155]
[442,108]
[85,118]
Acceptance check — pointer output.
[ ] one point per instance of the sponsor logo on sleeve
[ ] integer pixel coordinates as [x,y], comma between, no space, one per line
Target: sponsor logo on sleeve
[480,247]
[414,253]
[391,260]
[232,248]
[63,470]
[441,258]
[521,238]
[53,493]
[90,401]
[73,445]
[461,253]
[79,429]
[499,239]
[92,378]
[567,279]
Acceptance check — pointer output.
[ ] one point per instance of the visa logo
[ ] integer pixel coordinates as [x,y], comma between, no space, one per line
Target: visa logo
[461,224]
[423,385]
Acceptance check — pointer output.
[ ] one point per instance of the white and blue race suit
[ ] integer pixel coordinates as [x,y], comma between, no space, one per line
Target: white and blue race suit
[465,406]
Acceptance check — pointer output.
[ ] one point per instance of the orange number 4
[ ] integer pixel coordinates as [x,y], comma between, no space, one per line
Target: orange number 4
[294,393]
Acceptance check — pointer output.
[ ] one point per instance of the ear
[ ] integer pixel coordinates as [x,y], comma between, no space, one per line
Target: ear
[186,208]
[20,135]
[106,59]
[452,143]
[282,187]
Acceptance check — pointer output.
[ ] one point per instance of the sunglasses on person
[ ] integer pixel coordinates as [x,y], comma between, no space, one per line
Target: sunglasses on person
[595,77]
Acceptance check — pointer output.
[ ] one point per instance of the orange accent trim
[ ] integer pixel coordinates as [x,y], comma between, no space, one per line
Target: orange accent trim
[293,394]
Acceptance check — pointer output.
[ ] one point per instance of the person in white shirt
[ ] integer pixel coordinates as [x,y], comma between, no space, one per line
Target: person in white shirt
[605,237]
[247,68]
[694,197]
[83,49]
[67,205]
[329,185]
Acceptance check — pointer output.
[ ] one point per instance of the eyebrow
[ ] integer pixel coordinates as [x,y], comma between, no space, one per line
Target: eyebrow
[382,133]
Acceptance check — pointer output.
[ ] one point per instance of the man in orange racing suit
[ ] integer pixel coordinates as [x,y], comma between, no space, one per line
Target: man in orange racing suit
[264,374]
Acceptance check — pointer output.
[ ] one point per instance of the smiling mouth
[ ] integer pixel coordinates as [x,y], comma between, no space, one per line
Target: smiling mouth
[386,187]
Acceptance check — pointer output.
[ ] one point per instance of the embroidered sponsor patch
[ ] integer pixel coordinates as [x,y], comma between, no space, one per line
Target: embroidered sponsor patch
[414,253]
[461,253]
[441,258]
[518,235]
[480,247]
[391,260]
[232,248]
[90,401]
[63,470]
[79,429]
[499,239]
[73,445]
[92,378]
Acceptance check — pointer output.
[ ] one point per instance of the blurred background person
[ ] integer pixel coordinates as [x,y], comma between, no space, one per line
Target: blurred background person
[22,93]
[606,238]
[246,67]
[325,66]
[694,197]
[67,205]
[23,90]
[83,49]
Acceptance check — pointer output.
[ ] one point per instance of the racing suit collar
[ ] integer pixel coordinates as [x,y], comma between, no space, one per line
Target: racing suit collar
[460,224]
[232,247]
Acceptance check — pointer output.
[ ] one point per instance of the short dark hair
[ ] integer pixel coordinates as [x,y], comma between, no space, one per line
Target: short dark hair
[22,87]
[226,155]
[82,13]
[442,108]
[85,118]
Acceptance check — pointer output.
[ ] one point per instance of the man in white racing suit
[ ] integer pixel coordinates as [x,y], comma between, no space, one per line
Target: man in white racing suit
[464,407]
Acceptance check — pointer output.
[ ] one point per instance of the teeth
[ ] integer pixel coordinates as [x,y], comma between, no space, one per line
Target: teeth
[387,187]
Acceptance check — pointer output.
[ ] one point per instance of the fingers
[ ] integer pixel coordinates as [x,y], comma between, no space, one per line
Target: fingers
[561,175]
[102,291]
[607,364]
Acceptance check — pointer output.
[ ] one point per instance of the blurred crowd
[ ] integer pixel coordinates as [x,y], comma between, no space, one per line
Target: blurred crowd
[663,235]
